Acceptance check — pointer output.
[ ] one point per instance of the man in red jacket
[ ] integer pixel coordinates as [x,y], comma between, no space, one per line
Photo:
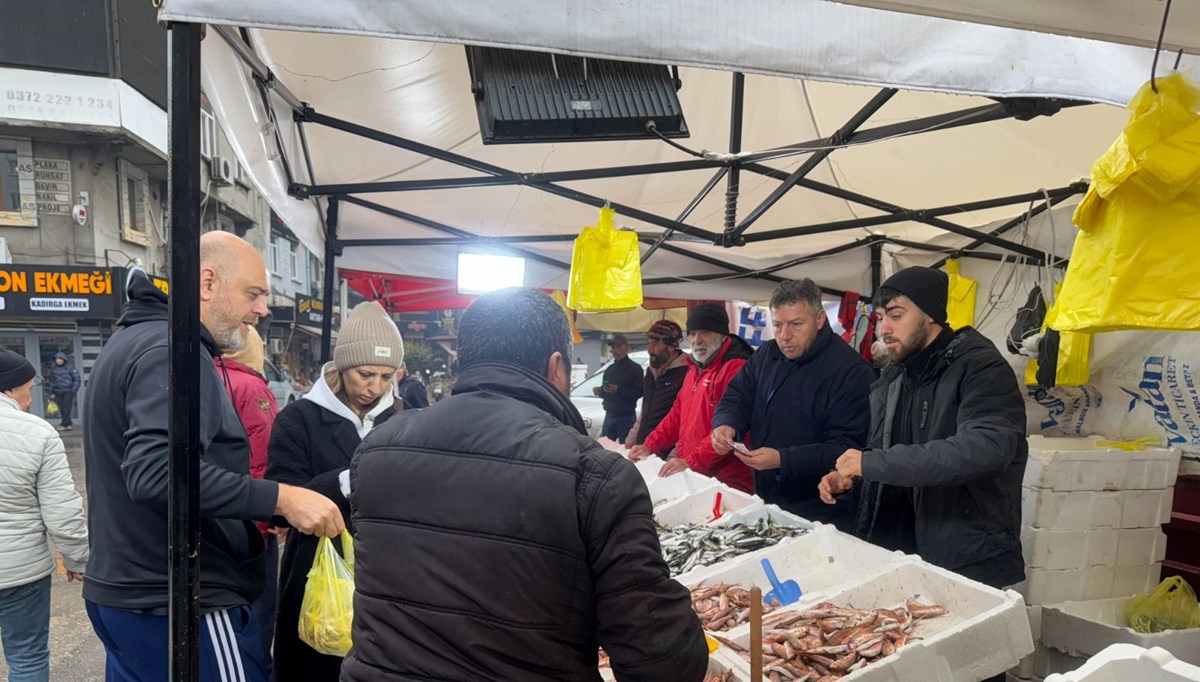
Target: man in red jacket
[242,372]
[716,357]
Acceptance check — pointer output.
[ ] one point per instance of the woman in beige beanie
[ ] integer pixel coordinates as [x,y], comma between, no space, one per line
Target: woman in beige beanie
[312,443]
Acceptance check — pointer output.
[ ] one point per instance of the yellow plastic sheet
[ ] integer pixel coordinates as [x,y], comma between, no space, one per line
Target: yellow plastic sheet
[606,269]
[327,611]
[1064,358]
[1171,606]
[960,305]
[1133,264]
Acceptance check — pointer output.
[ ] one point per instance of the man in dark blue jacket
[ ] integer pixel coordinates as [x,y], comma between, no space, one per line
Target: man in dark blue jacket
[64,384]
[803,400]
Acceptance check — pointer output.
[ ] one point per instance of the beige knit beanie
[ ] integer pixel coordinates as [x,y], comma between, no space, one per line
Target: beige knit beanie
[368,337]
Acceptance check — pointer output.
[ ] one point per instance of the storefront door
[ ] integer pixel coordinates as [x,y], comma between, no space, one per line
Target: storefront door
[39,350]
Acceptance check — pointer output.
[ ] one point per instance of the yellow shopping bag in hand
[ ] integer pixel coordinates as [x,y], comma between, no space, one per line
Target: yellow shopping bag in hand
[606,269]
[328,607]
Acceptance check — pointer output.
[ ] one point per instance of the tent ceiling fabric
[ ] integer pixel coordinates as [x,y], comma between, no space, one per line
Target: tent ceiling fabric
[421,91]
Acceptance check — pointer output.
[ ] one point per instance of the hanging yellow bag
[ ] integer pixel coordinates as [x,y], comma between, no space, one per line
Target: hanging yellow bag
[1133,263]
[960,305]
[1064,358]
[327,611]
[606,269]
[1171,606]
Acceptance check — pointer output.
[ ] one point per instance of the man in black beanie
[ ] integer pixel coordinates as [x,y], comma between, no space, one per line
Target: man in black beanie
[942,471]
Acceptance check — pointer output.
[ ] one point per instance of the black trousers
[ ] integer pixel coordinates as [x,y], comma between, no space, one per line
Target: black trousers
[66,403]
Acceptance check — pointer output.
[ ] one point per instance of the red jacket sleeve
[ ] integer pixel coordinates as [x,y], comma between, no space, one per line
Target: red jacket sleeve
[666,434]
[703,458]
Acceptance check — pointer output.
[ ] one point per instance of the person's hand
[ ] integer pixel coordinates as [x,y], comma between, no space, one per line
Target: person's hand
[309,512]
[53,397]
[639,452]
[850,463]
[832,485]
[279,533]
[673,466]
[596,391]
[629,444]
[610,388]
[722,439]
[73,577]
[761,459]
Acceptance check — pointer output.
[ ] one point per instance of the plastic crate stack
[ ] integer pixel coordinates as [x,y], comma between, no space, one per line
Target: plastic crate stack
[1092,518]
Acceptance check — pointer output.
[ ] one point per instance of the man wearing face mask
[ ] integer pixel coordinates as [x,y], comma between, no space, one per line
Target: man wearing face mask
[717,356]
[496,541]
[946,456]
[803,400]
[668,367]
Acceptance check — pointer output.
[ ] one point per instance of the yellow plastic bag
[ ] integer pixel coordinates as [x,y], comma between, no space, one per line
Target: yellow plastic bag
[1171,606]
[328,607]
[52,408]
[960,305]
[1134,257]
[606,269]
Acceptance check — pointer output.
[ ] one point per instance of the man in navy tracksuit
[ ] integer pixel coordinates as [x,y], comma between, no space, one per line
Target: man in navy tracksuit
[64,384]
[803,397]
[126,437]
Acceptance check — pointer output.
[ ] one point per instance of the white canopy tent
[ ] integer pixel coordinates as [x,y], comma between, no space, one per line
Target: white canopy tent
[412,89]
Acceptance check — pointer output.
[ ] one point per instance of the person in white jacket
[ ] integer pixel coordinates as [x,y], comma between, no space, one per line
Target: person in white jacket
[37,501]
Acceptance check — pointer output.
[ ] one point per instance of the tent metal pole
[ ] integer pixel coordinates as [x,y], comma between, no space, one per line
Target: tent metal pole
[737,106]
[1015,222]
[331,252]
[441,227]
[456,241]
[260,70]
[687,211]
[833,141]
[876,265]
[183,338]
[620,171]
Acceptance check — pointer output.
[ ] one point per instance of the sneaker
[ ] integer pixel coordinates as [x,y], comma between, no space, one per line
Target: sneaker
[67,428]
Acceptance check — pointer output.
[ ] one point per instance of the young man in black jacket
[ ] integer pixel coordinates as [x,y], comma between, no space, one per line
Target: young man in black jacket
[947,450]
[621,390]
[496,541]
[803,400]
[125,435]
[668,368]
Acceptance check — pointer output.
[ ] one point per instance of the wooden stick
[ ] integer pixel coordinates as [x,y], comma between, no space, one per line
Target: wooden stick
[756,638]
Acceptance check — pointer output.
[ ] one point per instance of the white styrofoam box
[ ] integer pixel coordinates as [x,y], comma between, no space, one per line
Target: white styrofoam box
[1047,586]
[1141,546]
[1087,509]
[1045,661]
[1025,668]
[718,662]
[698,507]
[1063,549]
[1131,663]
[823,558]
[985,632]
[1080,464]
[671,488]
[752,515]
[648,468]
[1085,628]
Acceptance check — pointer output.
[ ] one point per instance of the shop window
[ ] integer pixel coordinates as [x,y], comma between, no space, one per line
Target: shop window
[135,203]
[296,264]
[273,262]
[18,201]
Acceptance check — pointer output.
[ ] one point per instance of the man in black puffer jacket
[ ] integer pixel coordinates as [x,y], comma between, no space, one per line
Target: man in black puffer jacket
[668,368]
[495,541]
[947,449]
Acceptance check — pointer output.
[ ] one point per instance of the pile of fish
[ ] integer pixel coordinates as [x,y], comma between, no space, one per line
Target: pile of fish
[723,676]
[828,641]
[723,607]
[689,545]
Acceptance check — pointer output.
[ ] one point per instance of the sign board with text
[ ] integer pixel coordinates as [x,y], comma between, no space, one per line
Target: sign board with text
[310,311]
[58,291]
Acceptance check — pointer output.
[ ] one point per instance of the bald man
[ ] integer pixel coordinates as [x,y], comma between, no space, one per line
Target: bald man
[126,437]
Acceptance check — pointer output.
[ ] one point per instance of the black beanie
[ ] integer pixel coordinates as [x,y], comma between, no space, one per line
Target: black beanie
[927,287]
[15,370]
[708,317]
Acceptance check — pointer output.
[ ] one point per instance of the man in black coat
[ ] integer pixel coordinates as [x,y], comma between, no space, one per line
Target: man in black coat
[621,390]
[947,449]
[668,368]
[496,541]
[411,390]
[803,400]
[64,384]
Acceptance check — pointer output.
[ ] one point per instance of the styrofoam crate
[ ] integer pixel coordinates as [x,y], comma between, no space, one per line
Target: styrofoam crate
[985,632]
[822,559]
[1088,509]
[1128,663]
[1081,464]
[1085,628]
[648,468]
[1131,580]
[1046,586]
[1065,549]
[682,484]
[1045,661]
[718,662]
[752,515]
[698,507]
[749,516]
[1141,546]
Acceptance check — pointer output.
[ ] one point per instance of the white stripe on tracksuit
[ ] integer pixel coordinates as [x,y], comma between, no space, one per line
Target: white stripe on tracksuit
[229,657]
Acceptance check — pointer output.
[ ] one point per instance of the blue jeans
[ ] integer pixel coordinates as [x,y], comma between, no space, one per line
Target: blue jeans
[617,426]
[25,630]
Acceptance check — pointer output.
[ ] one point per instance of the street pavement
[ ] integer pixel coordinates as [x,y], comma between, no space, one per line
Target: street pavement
[75,653]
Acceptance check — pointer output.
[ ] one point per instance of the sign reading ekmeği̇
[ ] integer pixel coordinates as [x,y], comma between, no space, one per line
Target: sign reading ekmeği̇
[57,290]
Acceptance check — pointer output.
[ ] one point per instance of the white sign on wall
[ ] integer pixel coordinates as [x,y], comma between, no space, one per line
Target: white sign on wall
[52,184]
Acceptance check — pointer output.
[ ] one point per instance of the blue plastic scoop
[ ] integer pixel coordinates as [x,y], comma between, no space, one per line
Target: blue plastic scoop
[784,593]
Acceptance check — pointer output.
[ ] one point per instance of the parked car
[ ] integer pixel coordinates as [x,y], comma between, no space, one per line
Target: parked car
[281,384]
[591,406]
